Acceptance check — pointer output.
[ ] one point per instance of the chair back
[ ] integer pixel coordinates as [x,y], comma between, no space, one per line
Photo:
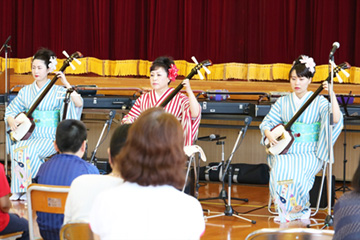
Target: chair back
[291,233]
[75,231]
[11,236]
[45,198]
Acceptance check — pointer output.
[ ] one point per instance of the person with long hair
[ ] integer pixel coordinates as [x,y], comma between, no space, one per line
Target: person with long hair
[292,175]
[27,155]
[148,205]
[185,108]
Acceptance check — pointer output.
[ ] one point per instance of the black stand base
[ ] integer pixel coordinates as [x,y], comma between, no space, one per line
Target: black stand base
[224,196]
[343,188]
[229,211]
[329,221]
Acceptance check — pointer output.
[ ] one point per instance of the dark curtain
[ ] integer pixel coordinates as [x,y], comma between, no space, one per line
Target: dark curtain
[255,31]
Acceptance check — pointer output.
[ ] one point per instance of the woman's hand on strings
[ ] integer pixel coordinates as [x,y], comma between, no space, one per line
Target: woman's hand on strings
[63,79]
[271,137]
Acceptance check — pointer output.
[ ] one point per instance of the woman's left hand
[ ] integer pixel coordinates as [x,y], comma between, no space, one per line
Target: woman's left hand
[63,79]
[325,85]
[335,105]
[186,84]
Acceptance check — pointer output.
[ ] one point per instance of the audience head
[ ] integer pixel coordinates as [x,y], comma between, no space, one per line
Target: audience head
[70,136]
[168,65]
[153,153]
[118,139]
[304,66]
[356,179]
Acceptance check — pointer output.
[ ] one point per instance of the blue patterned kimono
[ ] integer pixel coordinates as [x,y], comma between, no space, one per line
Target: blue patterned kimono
[292,174]
[27,155]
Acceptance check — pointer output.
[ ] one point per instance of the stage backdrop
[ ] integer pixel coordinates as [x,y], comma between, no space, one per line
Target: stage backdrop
[225,31]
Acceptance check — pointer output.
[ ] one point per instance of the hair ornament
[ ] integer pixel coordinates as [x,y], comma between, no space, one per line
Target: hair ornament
[309,63]
[173,72]
[52,64]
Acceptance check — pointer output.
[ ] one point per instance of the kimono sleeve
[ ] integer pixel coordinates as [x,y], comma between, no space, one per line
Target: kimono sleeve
[272,119]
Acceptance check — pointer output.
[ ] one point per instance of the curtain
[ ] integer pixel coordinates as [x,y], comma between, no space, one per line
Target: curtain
[225,31]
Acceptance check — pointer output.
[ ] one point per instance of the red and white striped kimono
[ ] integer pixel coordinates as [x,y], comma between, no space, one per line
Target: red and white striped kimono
[178,106]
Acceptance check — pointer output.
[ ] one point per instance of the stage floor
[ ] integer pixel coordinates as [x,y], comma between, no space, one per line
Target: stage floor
[230,227]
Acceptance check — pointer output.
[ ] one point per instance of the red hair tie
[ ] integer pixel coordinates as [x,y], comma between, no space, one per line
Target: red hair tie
[173,72]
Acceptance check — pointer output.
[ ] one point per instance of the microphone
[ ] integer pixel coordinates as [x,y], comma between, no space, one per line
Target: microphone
[5,44]
[247,123]
[335,45]
[214,136]
[112,114]
[211,137]
[7,40]
[356,146]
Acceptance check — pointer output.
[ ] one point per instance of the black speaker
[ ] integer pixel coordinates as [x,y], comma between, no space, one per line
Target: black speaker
[104,167]
[314,192]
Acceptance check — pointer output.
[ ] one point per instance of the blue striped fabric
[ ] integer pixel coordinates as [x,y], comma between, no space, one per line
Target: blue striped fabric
[61,169]
[292,175]
[27,156]
[347,216]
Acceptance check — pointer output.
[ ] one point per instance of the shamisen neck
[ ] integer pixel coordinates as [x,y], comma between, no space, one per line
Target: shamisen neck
[304,106]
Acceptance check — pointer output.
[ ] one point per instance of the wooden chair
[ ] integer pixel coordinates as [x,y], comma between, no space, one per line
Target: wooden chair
[76,231]
[45,198]
[291,233]
[191,151]
[11,236]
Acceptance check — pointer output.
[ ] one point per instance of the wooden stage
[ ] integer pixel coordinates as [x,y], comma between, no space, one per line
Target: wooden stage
[229,227]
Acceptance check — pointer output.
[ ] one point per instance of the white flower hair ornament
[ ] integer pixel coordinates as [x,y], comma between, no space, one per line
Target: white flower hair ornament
[309,63]
[52,64]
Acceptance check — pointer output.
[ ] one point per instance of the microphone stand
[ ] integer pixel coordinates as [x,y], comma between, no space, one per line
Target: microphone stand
[223,194]
[229,211]
[93,159]
[329,219]
[344,188]
[6,47]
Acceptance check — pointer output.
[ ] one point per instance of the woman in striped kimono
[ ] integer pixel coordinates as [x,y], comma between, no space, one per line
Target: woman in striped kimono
[27,155]
[292,174]
[185,108]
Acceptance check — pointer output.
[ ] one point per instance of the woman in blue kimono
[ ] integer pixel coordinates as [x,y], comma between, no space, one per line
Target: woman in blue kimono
[27,155]
[292,174]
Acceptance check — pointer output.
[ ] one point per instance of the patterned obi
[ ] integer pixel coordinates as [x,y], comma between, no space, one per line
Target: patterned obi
[46,118]
[306,133]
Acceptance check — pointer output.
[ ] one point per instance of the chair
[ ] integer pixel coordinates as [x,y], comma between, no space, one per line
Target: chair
[291,233]
[75,231]
[11,236]
[190,151]
[45,198]
[316,209]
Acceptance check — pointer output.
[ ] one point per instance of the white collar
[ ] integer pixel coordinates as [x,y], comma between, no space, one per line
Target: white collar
[299,101]
[36,87]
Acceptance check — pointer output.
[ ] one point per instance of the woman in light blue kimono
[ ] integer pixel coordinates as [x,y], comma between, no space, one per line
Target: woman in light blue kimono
[292,174]
[27,155]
